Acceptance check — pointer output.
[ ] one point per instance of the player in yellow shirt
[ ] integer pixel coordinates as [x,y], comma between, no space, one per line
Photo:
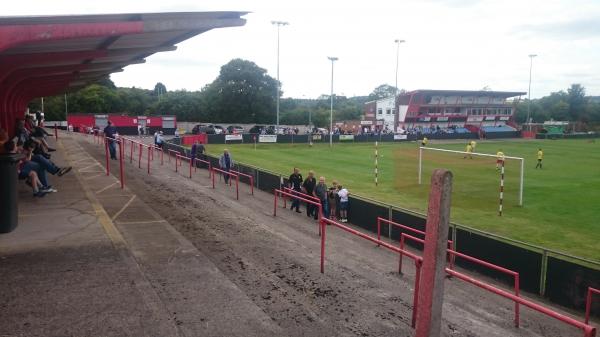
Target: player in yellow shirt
[424,141]
[473,144]
[469,150]
[499,159]
[540,157]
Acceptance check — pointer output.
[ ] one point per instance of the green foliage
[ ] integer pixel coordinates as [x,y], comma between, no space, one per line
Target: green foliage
[382,91]
[571,105]
[242,93]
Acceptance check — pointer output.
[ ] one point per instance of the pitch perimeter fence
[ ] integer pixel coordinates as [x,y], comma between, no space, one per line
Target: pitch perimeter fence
[559,277]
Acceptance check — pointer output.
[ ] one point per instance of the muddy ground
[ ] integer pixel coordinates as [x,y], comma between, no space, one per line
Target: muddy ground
[275,261]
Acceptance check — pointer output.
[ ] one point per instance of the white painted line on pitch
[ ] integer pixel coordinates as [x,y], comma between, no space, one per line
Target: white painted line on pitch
[123,208]
[94,176]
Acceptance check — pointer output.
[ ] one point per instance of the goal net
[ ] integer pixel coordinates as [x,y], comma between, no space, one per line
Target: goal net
[476,175]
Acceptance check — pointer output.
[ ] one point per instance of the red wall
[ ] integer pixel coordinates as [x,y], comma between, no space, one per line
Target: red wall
[189,140]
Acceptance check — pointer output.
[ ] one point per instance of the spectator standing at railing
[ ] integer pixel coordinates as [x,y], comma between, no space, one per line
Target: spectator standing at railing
[309,188]
[226,163]
[193,151]
[332,196]
[111,132]
[295,183]
[343,195]
[321,193]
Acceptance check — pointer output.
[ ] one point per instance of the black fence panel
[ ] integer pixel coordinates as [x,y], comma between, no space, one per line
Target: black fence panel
[409,220]
[246,170]
[364,214]
[267,181]
[567,284]
[504,134]
[524,261]
[215,139]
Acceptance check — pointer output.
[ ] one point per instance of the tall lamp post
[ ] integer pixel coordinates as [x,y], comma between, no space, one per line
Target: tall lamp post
[278,24]
[332,59]
[398,42]
[531,56]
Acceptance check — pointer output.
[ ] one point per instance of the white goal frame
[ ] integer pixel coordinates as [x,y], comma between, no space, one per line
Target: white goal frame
[522,160]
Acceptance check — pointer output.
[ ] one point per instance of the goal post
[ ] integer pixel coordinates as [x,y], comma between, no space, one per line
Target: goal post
[521,161]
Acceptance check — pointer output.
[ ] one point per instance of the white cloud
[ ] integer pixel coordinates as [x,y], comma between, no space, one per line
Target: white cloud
[451,44]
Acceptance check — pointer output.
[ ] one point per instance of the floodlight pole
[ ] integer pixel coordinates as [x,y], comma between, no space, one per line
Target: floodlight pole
[531,56]
[278,24]
[398,42]
[332,59]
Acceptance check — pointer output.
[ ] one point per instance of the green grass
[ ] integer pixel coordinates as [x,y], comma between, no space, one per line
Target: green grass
[561,202]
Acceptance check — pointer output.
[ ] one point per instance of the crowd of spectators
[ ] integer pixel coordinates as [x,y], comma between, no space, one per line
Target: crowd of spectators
[30,140]
[333,199]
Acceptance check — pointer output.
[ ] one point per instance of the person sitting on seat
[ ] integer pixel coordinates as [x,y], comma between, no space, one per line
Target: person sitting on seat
[46,164]
[28,171]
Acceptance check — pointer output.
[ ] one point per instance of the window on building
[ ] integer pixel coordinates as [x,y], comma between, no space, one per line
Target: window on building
[393,111]
[379,111]
[388,111]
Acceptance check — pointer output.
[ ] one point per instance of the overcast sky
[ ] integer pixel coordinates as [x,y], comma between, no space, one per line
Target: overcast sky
[450,44]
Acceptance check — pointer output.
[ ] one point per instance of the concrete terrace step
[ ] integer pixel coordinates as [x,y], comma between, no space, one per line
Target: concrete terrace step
[94,260]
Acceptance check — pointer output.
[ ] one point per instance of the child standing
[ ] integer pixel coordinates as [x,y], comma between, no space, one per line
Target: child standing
[343,194]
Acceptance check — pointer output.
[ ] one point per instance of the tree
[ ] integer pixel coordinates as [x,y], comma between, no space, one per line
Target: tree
[159,90]
[382,91]
[242,93]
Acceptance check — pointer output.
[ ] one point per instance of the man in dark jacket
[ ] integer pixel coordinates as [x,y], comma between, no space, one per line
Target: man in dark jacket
[295,182]
[321,193]
[226,164]
[111,132]
[309,188]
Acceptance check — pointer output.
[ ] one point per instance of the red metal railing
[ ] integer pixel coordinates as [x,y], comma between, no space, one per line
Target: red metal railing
[514,274]
[588,302]
[302,194]
[404,235]
[237,180]
[588,331]
[410,229]
[249,176]
[121,155]
[317,204]
[418,260]
[205,162]
[182,158]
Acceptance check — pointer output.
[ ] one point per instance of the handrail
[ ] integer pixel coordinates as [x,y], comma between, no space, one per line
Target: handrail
[588,302]
[278,193]
[249,176]
[588,330]
[196,160]
[418,260]
[237,180]
[302,194]
[514,274]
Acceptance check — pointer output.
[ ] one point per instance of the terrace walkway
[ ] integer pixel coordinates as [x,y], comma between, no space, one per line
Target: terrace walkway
[94,260]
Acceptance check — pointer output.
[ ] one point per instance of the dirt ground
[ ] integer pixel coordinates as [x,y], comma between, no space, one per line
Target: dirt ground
[275,261]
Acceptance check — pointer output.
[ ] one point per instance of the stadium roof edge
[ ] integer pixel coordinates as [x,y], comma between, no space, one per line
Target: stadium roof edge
[47,55]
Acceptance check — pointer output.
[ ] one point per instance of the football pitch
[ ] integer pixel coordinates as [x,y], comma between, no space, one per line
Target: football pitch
[561,207]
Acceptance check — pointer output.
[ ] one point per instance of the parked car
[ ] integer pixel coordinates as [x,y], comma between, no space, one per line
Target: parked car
[201,128]
[256,129]
[235,129]
[218,129]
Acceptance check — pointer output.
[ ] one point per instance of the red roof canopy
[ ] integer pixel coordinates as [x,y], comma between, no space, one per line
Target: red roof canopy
[48,55]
